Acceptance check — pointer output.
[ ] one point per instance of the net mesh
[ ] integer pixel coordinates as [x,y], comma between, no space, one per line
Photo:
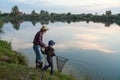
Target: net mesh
[60,62]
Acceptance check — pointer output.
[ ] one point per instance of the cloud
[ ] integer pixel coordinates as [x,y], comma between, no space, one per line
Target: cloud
[89,37]
[86,45]
[92,46]
[97,29]
[75,6]
[32,2]
[20,44]
[70,2]
[86,38]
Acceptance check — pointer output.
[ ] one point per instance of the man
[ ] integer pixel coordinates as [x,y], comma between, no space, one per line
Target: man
[39,44]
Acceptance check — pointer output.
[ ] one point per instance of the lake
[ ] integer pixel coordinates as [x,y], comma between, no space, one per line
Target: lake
[92,48]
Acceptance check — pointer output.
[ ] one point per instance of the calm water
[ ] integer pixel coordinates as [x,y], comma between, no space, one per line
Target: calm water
[92,49]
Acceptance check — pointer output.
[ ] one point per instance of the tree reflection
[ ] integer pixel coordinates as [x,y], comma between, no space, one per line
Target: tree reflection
[16,24]
[68,21]
[44,22]
[118,23]
[1,25]
[34,22]
[107,24]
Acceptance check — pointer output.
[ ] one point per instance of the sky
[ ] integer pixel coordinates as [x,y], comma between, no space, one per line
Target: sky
[62,6]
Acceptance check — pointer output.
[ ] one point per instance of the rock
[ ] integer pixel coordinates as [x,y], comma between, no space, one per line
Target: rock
[5,59]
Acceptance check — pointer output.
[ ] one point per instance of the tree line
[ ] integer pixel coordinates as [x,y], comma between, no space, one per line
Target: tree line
[44,16]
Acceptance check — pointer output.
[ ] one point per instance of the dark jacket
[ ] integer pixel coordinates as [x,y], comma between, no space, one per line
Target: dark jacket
[49,51]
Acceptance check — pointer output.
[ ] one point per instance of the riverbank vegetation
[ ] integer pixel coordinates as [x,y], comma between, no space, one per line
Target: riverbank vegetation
[44,17]
[13,66]
[10,56]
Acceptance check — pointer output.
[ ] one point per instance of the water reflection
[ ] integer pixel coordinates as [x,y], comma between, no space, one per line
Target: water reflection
[85,45]
[16,23]
[1,25]
[90,39]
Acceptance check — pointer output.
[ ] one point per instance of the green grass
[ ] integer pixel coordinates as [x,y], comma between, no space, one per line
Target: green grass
[18,72]
[15,57]
[9,71]
[17,68]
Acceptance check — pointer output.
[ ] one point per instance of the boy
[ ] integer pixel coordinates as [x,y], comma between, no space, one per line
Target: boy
[49,51]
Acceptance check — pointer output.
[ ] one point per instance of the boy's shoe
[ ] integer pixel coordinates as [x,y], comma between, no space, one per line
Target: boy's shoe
[45,68]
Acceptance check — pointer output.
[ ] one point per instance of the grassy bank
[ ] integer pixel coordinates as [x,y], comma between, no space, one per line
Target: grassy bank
[10,56]
[19,72]
[13,66]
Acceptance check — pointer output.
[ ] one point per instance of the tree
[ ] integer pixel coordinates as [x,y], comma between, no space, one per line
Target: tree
[33,12]
[0,12]
[44,15]
[68,15]
[15,10]
[108,13]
